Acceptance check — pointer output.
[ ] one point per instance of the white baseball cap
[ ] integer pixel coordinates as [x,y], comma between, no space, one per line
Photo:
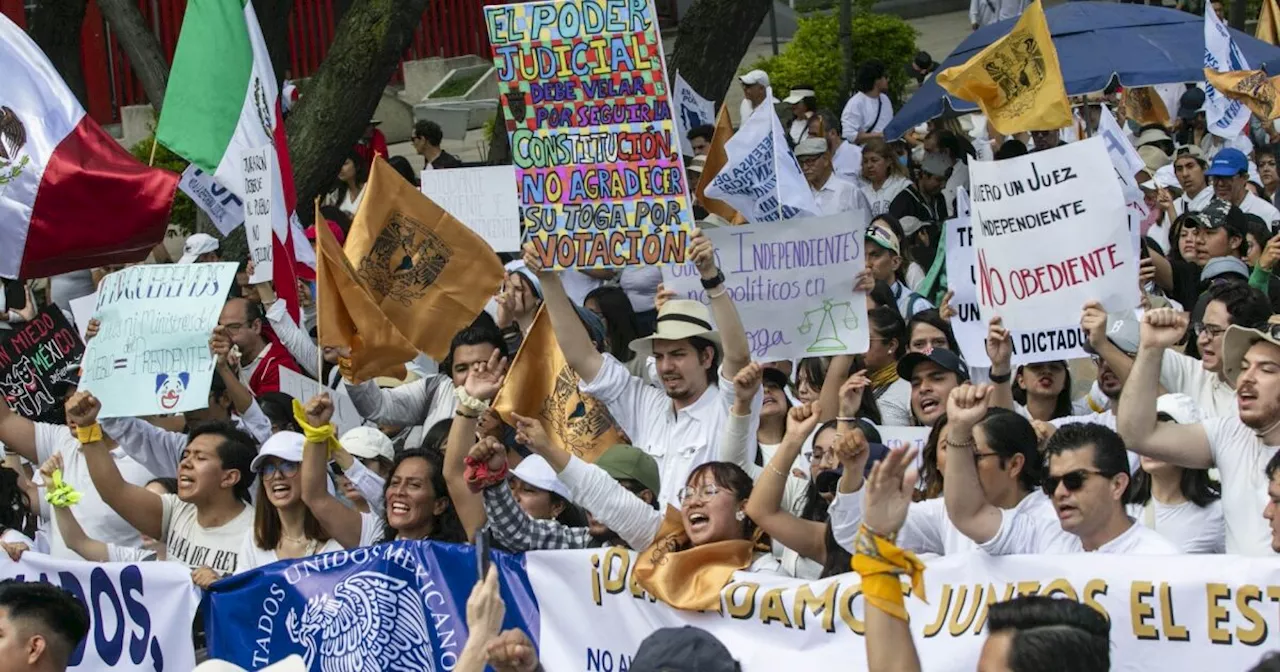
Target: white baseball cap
[535,471]
[196,245]
[755,77]
[284,445]
[368,443]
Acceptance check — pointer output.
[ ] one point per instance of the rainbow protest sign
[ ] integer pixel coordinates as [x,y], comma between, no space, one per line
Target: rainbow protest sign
[596,153]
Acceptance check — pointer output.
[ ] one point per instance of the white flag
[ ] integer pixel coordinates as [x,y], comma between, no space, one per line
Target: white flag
[762,179]
[1224,116]
[694,111]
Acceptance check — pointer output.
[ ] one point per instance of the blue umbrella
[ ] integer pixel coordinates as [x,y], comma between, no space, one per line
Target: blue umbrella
[1139,44]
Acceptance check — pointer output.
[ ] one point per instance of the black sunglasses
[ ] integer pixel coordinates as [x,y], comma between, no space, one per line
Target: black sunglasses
[1072,480]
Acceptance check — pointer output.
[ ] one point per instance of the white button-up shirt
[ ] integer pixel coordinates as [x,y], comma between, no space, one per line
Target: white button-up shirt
[837,195]
[679,440]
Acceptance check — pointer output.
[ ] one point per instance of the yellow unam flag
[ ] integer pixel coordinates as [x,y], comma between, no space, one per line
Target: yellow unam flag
[427,272]
[1144,105]
[540,384]
[716,158]
[347,316]
[1016,80]
[1251,87]
[1269,22]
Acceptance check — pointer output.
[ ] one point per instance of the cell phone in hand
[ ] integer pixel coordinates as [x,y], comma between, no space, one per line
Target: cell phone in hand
[482,555]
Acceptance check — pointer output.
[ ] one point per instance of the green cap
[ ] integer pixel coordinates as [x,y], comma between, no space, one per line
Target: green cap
[622,461]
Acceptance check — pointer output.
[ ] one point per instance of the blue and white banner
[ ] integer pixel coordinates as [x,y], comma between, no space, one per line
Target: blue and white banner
[402,606]
[140,614]
[694,110]
[761,178]
[220,203]
[1225,117]
[399,606]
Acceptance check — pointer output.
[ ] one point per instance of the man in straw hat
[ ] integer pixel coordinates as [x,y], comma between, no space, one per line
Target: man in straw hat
[1240,446]
[681,424]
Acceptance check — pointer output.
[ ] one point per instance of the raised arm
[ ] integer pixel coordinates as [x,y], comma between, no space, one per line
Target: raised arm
[483,383]
[829,398]
[17,433]
[1183,445]
[1093,320]
[220,345]
[967,506]
[579,353]
[294,339]
[738,442]
[341,521]
[806,537]
[733,336]
[1000,351]
[72,534]
[405,405]
[880,564]
[139,507]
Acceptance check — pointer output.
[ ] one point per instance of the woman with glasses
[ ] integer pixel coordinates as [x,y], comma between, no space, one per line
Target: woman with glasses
[283,526]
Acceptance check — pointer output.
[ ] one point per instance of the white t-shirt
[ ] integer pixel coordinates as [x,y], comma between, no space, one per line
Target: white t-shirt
[879,199]
[895,404]
[251,556]
[127,554]
[195,546]
[372,529]
[1022,534]
[97,519]
[864,114]
[1187,375]
[1241,457]
[1192,528]
[1254,205]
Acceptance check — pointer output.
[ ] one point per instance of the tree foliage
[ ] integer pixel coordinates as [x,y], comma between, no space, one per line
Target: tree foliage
[813,56]
[183,213]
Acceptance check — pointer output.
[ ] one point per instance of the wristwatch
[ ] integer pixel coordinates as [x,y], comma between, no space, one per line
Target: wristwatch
[714,282]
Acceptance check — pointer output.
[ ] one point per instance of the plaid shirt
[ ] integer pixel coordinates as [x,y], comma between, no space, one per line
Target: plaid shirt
[515,531]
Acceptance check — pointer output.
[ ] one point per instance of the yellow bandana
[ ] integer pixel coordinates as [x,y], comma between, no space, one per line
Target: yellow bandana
[60,493]
[689,577]
[881,564]
[324,435]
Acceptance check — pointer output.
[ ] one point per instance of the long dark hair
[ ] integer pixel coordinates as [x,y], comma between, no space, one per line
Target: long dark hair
[267,528]
[839,561]
[446,526]
[1195,484]
[1062,405]
[15,506]
[870,408]
[619,320]
[815,505]
[930,486]
[934,319]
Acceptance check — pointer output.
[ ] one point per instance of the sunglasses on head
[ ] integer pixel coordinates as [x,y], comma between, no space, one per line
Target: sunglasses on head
[1072,480]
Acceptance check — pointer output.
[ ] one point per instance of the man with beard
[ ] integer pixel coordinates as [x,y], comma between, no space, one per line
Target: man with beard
[681,424]
[1239,445]
[1205,381]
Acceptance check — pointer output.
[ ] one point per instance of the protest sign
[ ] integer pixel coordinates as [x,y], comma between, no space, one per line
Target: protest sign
[221,204]
[302,388]
[761,178]
[408,599]
[791,283]
[970,328]
[593,138]
[695,111]
[35,359]
[151,354]
[140,614]
[483,198]
[1050,233]
[82,311]
[258,167]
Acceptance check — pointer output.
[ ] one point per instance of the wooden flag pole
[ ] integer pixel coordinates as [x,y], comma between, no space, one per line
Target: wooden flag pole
[324,382]
[154,143]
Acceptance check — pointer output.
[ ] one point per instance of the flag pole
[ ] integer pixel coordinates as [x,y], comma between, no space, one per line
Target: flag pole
[154,143]
[319,347]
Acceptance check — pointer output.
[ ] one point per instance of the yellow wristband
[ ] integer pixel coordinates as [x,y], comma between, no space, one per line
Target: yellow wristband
[90,434]
[325,434]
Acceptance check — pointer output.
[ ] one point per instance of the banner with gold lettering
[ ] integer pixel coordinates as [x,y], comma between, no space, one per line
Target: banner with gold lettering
[540,384]
[1184,612]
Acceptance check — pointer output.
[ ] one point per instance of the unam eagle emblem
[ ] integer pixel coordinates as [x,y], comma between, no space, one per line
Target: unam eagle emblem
[1019,70]
[373,622]
[580,420]
[1259,92]
[405,261]
[13,138]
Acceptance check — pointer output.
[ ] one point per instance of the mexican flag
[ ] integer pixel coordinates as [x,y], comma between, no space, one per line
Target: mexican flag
[223,100]
[70,196]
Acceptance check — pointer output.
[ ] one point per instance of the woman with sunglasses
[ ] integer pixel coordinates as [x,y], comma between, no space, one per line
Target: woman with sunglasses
[283,527]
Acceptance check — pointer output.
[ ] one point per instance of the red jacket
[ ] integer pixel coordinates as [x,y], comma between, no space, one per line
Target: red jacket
[266,377]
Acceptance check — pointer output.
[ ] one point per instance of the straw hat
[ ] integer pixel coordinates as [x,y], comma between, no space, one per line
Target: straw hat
[678,320]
